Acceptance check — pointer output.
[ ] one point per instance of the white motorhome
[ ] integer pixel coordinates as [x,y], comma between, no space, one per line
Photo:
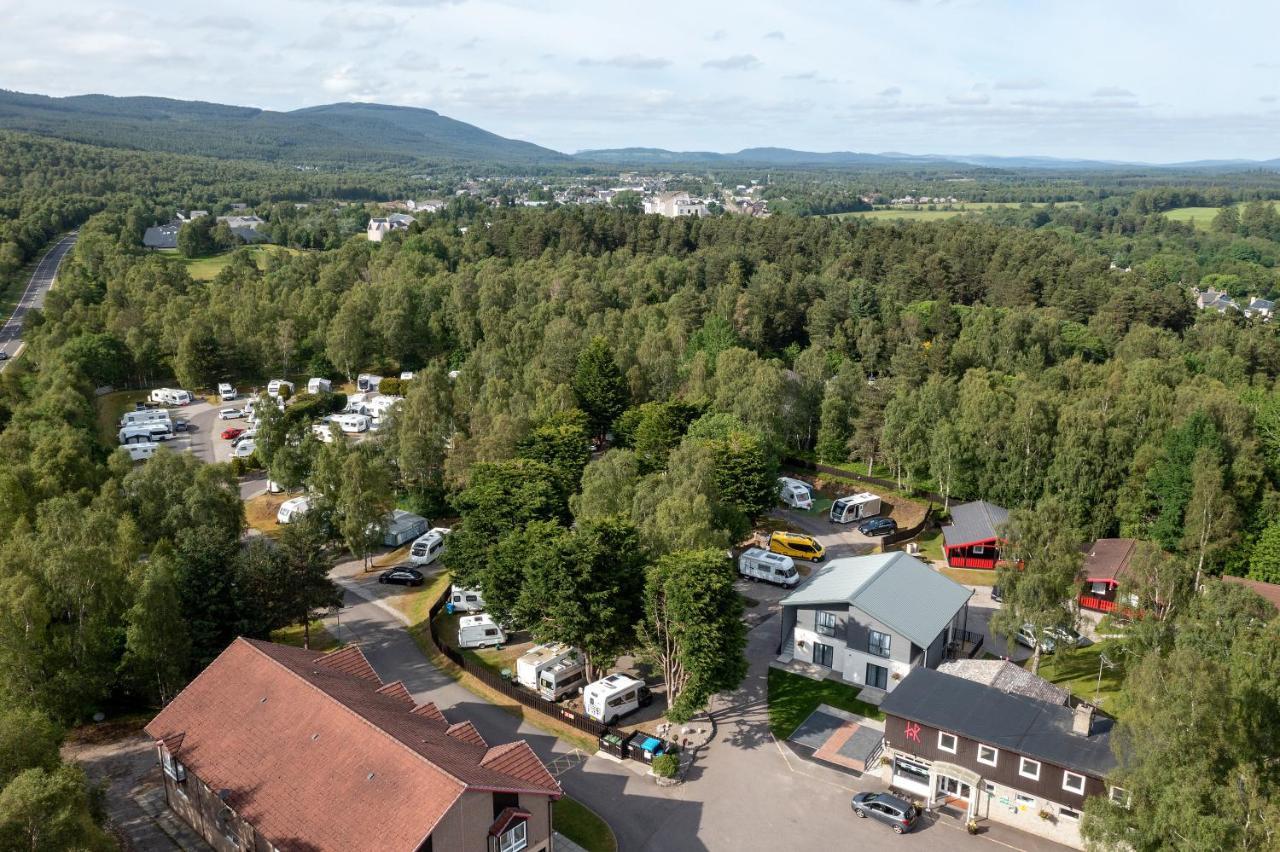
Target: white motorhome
[319,385]
[758,564]
[615,696]
[145,433]
[406,376]
[427,547]
[171,396]
[275,385]
[368,382]
[564,678]
[539,657]
[351,423]
[226,392]
[292,509]
[150,415]
[143,451]
[855,507]
[244,449]
[466,600]
[479,631]
[795,493]
[322,432]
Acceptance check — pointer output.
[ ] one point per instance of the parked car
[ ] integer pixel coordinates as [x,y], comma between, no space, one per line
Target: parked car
[402,575]
[1026,636]
[875,527]
[230,413]
[183,426]
[1066,636]
[4,356]
[231,434]
[898,814]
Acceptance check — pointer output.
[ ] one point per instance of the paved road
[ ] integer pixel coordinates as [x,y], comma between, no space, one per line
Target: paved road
[33,296]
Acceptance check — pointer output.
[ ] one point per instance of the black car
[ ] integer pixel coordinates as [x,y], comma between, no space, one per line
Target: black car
[403,575]
[878,526]
[899,814]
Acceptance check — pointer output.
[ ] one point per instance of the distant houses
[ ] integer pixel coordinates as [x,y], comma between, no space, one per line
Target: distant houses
[1105,567]
[675,204]
[379,227]
[1214,300]
[162,236]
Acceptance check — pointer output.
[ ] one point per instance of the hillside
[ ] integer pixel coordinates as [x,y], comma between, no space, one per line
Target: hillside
[343,132]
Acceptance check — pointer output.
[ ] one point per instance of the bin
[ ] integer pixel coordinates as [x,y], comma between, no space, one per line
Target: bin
[645,747]
[616,744]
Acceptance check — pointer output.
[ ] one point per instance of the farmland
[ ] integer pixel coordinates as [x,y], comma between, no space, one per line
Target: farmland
[207,268]
[1201,216]
[926,215]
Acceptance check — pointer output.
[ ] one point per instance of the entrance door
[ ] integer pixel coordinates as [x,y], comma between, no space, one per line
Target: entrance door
[952,787]
[877,676]
[823,655]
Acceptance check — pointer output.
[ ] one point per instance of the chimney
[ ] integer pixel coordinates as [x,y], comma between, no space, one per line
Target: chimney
[1082,721]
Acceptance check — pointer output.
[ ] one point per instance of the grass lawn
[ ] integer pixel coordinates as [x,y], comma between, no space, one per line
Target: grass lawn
[321,639]
[793,697]
[1077,670]
[581,825]
[207,268]
[110,408]
[1202,216]
[970,576]
[260,512]
[931,545]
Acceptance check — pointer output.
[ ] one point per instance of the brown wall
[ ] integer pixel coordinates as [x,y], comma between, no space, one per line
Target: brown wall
[199,806]
[1005,772]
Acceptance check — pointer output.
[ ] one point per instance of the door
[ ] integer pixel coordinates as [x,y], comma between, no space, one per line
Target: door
[823,655]
[877,676]
[953,788]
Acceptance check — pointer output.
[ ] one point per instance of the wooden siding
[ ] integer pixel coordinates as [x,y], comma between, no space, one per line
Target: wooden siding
[962,556]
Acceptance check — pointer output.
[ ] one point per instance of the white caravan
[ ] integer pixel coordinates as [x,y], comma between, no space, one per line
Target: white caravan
[466,600]
[322,432]
[537,658]
[367,382]
[406,376]
[150,415]
[564,678]
[479,631]
[226,392]
[244,449]
[615,696]
[143,451]
[855,507]
[292,509]
[276,385]
[145,433]
[351,424]
[758,564]
[795,493]
[319,385]
[171,396]
[427,547]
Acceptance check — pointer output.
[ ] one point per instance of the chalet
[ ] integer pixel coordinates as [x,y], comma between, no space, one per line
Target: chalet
[278,748]
[962,745]
[1104,570]
[380,227]
[162,236]
[972,539]
[1266,591]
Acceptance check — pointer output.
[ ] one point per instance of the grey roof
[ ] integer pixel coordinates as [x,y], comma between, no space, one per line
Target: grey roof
[161,236]
[249,235]
[1006,677]
[976,521]
[1007,721]
[894,588]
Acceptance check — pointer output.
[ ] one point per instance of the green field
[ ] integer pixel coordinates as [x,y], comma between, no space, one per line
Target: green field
[906,214]
[1202,216]
[207,268]
[1077,670]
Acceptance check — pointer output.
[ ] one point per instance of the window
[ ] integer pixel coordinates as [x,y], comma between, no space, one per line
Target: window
[978,550]
[1073,783]
[826,624]
[878,643]
[1024,801]
[911,770]
[1068,813]
[823,655]
[1100,588]
[515,838]
[173,768]
[877,676]
[988,755]
[946,742]
[1029,768]
[989,787]
[1120,796]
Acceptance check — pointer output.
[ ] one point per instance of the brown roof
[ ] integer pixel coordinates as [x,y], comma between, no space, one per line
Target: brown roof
[1268,591]
[315,753]
[1108,559]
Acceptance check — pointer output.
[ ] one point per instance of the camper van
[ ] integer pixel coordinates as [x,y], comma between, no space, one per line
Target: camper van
[797,545]
[275,385]
[564,678]
[610,699]
[351,424]
[171,396]
[795,493]
[539,657]
[479,631]
[144,433]
[855,507]
[428,546]
[226,392]
[466,600]
[142,451]
[292,509]
[367,382]
[319,385]
[758,564]
[149,415]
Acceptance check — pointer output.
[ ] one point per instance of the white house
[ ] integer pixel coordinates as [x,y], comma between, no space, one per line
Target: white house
[380,227]
[675,204]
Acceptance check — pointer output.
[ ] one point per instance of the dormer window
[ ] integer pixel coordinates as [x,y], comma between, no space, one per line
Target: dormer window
[514,838]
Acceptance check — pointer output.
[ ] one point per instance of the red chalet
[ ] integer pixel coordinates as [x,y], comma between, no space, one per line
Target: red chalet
[972,539]
[1104,568]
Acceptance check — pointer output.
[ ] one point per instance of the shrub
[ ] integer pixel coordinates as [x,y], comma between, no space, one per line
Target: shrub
[666,765]
[391,387]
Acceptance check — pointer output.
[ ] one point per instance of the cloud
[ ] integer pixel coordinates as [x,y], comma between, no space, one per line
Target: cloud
[891,92]
[1112,92]
[1019,84]
[634,61]
[361,23]
[1268,99]
[776,35]
[737,62]
[222,22]
[718,35]
[974,99]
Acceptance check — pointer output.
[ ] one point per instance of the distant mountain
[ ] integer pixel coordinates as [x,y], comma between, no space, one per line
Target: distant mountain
[754,157]
[343,132]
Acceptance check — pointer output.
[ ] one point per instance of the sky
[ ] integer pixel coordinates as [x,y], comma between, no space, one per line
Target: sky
[1160,81]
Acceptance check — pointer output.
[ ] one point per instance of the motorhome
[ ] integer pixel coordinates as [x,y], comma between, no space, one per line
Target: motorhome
[379,407]
[149,415]
[226,392]
[367,382]
[406,376]
[613,697]
[427,547]
[466,600]
[142,451]
[319,385]
[244,449]
[144,433]
[855,507]
[275,386]
[171,396]
[322,432]
[351,423]
[758,564]
[795,493]
[564,678]
[539,657]
[479,631]
[292,509]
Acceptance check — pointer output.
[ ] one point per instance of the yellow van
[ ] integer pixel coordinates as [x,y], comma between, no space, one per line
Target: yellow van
[797,546]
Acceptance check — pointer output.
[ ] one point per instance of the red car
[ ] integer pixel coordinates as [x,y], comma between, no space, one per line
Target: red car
[230,434]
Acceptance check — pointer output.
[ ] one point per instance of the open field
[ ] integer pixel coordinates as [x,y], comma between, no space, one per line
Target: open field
[1202,216]
[909,214]
[207,268]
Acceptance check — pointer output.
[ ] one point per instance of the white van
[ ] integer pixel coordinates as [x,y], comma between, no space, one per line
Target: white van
[795,493]
[171,396]
[351,424]
[292,509]
[855,507]
[427,547]
[466,600]
[758,564]
[142,451]
[150,415]
[274,386]
[226,392]
[615,696]
[564,678]
[479,631]
[539,657]
[367,382]
[319,385]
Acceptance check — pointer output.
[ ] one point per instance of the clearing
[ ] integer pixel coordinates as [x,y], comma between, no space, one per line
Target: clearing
[1077,670]
[926,215]
[207,268]
[793,697]
[1203,217]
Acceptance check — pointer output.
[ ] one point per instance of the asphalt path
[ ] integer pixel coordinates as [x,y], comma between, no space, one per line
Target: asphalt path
[42,279]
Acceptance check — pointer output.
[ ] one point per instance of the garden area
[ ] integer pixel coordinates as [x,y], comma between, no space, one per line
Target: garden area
[793,697]
[581,825]
[1077,670]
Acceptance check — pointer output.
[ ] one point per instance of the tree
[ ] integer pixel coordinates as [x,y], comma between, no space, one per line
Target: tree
[692,628]
[599,386]
[200,361]
[608,486]
[835,421]
[157,647]
[28,740]
[206,588]
[1210,516]
[1227,220]
[1264,563]
[364,502]
[307,589]
[195,238]
[49,810]
[560,442]
[420,430]
[746,470]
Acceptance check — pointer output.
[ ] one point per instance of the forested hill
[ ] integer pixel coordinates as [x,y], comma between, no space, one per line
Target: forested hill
[343,132]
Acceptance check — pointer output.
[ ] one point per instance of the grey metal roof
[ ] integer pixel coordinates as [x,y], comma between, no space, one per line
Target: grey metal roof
[894,588]
[1006,677]
[976,521]
[1009,722]
[161,236]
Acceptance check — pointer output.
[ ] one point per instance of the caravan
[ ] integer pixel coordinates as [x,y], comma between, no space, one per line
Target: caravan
[479,631]
[351,424]
[171,396]
[292,509]
[795,493]
[319,385]
[855,507]
[146,416]
[617,695]
[276,386]
[564,678]
[366,382]
[143,433]
[758,564]
[428,546]
[466,600]
[539,657]
[142,451]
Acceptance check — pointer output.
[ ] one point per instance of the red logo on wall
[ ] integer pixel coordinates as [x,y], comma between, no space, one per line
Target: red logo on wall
[912,730]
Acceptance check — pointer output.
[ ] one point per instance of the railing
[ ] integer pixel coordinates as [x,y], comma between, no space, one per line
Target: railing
[1097,604]
[971,562]
[960,638]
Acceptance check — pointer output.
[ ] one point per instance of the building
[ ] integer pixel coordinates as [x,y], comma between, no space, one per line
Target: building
[162,236]
[251,223]
[1266,591]
[874,618]
[1105,567]
[277,748]
[1213,300]
[403,527]
[972,539]
[1008,677]
[989,754]
[191,215]
[675,204]
[1260,307]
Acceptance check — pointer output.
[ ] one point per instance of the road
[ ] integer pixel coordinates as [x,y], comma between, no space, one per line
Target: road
[42,279]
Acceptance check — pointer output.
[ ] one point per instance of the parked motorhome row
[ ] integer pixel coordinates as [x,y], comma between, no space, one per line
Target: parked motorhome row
[171,396]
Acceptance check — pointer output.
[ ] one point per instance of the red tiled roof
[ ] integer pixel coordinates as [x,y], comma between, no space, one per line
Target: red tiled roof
[1108,559]
[466,732]
[1268,591]
[505,818]
[517,759]
[315,756]
[396,689]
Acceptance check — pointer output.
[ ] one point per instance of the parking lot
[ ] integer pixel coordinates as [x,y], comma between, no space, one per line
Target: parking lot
[204,440]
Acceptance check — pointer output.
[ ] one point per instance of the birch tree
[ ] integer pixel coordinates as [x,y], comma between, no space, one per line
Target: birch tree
[1210,523]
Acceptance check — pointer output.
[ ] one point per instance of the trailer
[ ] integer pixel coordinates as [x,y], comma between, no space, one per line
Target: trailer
[142,451]
[428,546]
[479,631]
[351,424]
[145,433]
[539,657]
[795,493]
[276,386]
[315,385]
[292,509]
[171,396]
[147,415]
[855,507]
[466,600]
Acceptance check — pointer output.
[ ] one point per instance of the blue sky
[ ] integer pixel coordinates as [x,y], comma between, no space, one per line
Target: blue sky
[1124,79]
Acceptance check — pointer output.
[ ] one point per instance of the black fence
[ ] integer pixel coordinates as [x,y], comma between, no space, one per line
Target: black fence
[844,473]
[910,532]
[497,682]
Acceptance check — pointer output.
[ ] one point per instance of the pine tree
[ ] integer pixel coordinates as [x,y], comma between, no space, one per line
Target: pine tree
[599,386]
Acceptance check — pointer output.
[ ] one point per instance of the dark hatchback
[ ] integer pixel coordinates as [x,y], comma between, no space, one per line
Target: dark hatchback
[878,526]
[898,814]
[402,575]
